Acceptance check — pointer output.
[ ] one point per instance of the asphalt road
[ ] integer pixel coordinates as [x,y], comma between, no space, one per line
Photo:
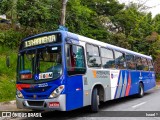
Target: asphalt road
[150,102]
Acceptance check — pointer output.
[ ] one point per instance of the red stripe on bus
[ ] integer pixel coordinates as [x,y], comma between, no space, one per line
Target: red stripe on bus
[128,85]
[21,86]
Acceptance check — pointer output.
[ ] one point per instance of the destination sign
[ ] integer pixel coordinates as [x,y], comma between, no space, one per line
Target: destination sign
[40,40]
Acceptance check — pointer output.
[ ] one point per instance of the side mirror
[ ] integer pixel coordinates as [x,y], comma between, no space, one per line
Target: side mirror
[8,61]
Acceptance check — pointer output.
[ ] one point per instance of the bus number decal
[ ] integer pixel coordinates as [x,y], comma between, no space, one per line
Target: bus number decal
[43,85]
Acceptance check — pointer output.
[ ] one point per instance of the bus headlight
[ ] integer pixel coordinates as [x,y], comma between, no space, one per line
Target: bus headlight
[57,92]
[19,94]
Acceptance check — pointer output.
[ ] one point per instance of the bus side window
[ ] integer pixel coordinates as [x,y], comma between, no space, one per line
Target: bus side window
[139,65]
[150,64]
[107,58]
[145,64]
[130,61]
[93,56]
[120,60]
[75,59]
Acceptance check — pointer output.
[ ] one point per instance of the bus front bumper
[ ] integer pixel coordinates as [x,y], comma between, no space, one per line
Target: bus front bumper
[58,103]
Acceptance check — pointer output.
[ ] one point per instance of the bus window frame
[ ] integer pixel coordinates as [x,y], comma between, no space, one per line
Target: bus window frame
[139,57]
[144,64]
[96,56]
[124,62]
[151,63]
[106,57]
[69,54]
[132,61]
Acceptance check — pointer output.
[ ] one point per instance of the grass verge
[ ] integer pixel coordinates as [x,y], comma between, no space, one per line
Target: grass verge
[7,75]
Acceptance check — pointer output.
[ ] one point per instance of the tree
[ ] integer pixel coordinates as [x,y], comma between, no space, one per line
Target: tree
[135,24]
[104,7]
[36,13]
[83,20]
[8,7]
[156,23]
[5,6]
[119,39]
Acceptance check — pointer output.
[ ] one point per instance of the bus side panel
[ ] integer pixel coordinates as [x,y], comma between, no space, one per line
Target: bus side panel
[146,79]
[149,78]
[74,94]
[152,79]
[114,78]
[124,76]
[127,83]
[95,77]
[134,75]
[120,85]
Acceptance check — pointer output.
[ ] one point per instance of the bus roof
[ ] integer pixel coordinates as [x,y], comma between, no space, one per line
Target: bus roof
[99,43]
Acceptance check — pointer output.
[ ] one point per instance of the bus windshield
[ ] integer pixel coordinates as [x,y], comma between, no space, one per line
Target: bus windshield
[40,65]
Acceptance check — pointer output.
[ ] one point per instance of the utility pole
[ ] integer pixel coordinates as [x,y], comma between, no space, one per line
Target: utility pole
[63,12]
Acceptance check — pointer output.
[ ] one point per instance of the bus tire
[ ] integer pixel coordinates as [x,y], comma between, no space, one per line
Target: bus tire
[95,100]
[141,90]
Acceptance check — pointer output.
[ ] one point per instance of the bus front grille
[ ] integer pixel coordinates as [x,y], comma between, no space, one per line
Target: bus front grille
[38,96]
[35,103]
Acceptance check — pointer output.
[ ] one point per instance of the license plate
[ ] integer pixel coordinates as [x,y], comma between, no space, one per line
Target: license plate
[54,104]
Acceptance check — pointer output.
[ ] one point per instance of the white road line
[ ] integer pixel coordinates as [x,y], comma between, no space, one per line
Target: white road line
[138,105]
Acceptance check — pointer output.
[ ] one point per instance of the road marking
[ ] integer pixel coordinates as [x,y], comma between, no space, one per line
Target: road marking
[138,105]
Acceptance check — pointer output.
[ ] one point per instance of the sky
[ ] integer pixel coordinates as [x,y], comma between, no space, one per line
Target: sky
[154,4]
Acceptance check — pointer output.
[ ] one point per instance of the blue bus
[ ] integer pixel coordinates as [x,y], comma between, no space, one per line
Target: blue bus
[64,71]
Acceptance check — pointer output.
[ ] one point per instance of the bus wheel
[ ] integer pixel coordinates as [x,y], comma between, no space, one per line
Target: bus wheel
[95,101]
[141,90]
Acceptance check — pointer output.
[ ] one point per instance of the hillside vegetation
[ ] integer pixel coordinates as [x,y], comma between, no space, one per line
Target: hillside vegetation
[7,75]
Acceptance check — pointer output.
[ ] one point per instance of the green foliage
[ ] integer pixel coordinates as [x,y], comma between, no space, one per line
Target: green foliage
[83,19]
[10,38]
[79,16]
[157,66]
[120,40]
[104,7]
[5,5]
[156,23]
[7,75]
[30,12]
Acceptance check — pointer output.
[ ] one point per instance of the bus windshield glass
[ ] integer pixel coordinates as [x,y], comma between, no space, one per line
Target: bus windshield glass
[40,65]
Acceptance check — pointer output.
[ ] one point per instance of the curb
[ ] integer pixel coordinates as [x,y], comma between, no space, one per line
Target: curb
[13,102]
